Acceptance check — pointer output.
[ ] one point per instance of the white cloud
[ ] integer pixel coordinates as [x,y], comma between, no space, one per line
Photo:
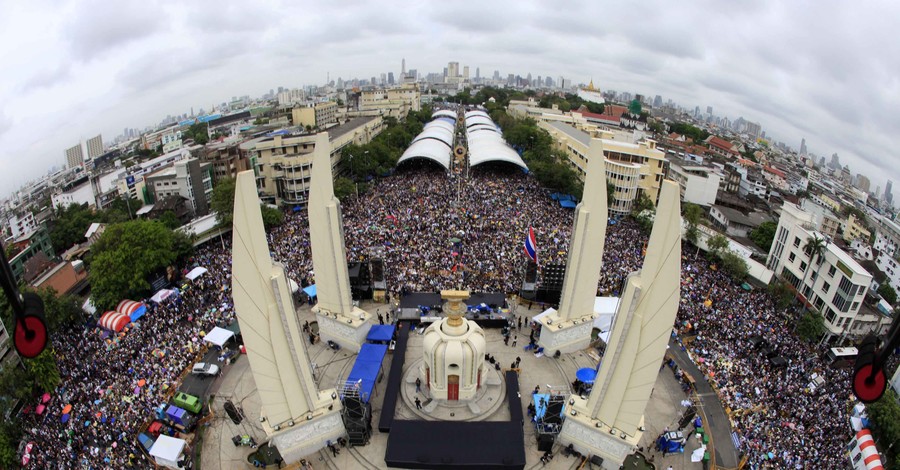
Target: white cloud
[824,70]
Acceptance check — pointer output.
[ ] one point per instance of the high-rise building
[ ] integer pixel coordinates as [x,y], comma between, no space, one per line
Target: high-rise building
[390,78]
[835,162]
[74,156]
[453,69]
[862,182]
[466,71]
[753,129]
[94,146]
[803,146]
[657,102]
[709,110]
[403,67]
[888,196]
[496,75]
[477,73]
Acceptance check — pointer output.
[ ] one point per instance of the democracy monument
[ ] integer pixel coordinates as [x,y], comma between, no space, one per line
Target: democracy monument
[300,419]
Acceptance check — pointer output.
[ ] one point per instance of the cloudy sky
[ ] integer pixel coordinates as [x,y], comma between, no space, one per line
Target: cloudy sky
[824,70]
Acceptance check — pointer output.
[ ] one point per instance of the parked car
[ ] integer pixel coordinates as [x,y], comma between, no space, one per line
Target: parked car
[205,369]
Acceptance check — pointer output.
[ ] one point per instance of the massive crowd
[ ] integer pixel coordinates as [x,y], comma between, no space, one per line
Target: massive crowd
[114,383]
[438,231]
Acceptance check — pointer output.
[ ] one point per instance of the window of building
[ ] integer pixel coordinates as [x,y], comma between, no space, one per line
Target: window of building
[825,287]
[792,257]
[796,242]
[855,307]
[831,270]
[803,266]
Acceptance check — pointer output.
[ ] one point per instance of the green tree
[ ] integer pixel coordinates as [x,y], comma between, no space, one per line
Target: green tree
[763,235]
[128,254]
[884,417]
[610,193]
[199,132]
[813,248]
[71,223]
[642,203]
[222,201]
[271,216]
[692,213]
[734,265]
[887,292]
[170,220]
[782,294]
[10,435]
[635,107]
[59,311]
[44,371]
[811,326]
[717,244]
[344,188]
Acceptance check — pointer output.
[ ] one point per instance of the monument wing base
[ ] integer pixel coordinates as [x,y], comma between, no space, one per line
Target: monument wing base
[308,436]
[349,332]
[565,337]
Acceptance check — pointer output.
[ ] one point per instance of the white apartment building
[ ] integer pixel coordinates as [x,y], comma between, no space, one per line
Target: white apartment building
[884,245]
[891,268]
[74,156]
[824,219]
[752,184]
[699,184]
[835,285]
[888,234]
[19,226]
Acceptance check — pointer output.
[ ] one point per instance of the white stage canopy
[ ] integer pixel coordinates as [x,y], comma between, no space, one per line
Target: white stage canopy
[486,142]
[196,272]
[218,336]
[167,451]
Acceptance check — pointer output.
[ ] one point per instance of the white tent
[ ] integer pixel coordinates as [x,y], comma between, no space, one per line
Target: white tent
[167,451]
[543,314]
[89,307]
[195,273]
[161,295]
[218,336]
[294,286]
[605,310]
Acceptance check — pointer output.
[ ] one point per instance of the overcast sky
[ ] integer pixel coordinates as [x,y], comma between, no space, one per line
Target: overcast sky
[824,70]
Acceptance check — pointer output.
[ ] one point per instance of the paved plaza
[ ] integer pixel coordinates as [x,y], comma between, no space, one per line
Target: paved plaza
[237,385]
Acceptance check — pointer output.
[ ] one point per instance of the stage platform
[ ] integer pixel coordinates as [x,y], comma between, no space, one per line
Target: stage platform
[395,376]
[410,308]
[450,444]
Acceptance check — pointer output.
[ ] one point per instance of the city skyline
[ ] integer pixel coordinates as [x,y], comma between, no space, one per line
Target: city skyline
[84,75]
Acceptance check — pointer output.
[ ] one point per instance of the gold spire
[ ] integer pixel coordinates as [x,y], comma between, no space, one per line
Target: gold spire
[591,85]
[455,307]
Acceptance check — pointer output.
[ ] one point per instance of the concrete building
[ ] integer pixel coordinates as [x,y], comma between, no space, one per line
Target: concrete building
[28,246]
[753,184]
[855,230]
[74,156]
[283,163]
[315,115]
[699,183]
[775,178]
[130,182]
[824,219]
[21,225]
[863,183]
[291,97]
[94,146]
[888,234]
[630,167]
[833,283]
[734,222]
[189,179]
[226,158]
[891,268]
[395,102]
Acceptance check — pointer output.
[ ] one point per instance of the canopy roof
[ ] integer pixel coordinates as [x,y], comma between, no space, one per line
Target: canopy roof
[434,143]
[167,448]
[196,272]
[366,369]
[218,336]
[380,333]
[114,321]
[310,290]
[133,309]
[486,142]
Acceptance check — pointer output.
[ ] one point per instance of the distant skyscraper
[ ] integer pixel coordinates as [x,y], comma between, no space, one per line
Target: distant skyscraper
[835,162]
[413,74]
[465,72]
[403,67]
[453,69]
[74,156]
[390,78]
[862,182]
[709,110]
[657,102]
[477,73]
[888,196]
[822,161]
[496,75]
[803,146]
[94,146]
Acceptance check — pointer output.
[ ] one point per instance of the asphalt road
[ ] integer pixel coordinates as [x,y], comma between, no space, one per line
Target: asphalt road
[198,385]
[717,422]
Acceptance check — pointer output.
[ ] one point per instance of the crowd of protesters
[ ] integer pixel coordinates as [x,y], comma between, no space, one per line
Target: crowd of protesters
[435,231]
[112,383]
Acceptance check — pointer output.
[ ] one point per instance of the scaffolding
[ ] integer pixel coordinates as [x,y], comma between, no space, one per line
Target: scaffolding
[356,413]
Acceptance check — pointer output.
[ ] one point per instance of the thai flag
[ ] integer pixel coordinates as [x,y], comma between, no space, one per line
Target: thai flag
[531,245]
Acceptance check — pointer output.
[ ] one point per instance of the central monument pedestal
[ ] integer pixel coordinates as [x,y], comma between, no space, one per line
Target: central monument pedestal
[590,436]
[565,336]
[347,330]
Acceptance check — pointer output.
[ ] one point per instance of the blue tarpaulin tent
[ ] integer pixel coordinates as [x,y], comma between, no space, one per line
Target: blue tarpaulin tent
[366,369]
[586,375]
[380,333]
[567,203]
[310,290]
